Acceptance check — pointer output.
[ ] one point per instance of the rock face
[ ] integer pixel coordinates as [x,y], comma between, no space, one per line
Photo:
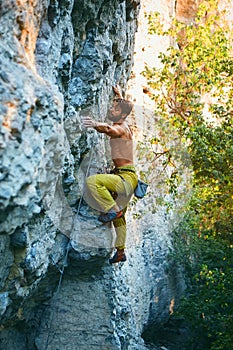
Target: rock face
[185,10]
[59,60]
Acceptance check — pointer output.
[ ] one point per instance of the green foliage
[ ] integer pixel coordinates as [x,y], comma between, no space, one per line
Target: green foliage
[207,263]
[193,92]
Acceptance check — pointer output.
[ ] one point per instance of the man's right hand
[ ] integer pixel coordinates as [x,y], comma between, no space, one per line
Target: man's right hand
[88,122]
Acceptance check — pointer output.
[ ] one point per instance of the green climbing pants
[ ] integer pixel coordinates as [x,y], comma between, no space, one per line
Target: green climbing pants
[105,191]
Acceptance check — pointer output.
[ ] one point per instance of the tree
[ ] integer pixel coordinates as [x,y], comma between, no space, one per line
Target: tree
[193,92]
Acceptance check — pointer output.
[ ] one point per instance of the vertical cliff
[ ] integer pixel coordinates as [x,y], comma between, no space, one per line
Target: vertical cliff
[59,60]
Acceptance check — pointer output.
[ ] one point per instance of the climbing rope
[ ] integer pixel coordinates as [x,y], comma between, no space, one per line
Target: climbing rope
[66,256]
[87,172]
[57,291]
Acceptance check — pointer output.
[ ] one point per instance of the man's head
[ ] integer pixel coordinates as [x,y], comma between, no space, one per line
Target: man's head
[120,109]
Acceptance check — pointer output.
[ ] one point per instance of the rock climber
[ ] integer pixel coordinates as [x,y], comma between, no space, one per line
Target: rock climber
[112,192]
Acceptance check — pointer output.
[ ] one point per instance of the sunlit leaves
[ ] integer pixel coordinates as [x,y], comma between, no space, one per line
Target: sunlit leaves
[198,62]
[192,90]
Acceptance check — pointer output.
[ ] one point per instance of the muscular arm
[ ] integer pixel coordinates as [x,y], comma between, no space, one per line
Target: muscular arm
[110,130]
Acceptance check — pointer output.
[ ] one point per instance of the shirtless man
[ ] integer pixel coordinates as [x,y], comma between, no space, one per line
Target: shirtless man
[112,192]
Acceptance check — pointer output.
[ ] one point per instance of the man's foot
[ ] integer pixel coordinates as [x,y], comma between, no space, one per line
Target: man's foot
[110,216]
[118,256]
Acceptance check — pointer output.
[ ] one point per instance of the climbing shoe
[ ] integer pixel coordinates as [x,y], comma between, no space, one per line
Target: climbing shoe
[117,257]
[110,216]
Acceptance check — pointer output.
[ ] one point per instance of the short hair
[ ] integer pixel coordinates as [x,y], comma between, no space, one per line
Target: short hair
[125,105]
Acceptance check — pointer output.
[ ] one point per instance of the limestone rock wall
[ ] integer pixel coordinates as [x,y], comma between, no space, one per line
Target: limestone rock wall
[59,60]
[185,10]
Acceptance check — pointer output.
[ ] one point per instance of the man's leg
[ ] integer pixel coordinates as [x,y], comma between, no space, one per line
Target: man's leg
[120,228]
[100,187]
